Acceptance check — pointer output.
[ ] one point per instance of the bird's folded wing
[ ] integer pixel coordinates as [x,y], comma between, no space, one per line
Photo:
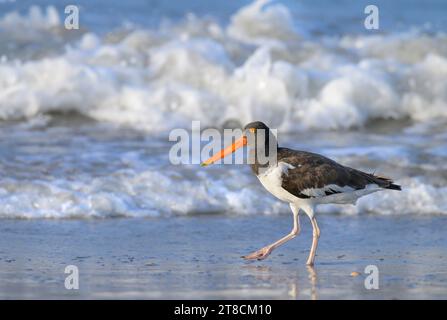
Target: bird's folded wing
[313,176]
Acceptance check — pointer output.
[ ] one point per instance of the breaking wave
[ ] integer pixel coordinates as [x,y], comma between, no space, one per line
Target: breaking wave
[262,65]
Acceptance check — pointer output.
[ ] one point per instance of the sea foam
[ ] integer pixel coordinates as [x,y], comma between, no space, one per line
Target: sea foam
[259,66]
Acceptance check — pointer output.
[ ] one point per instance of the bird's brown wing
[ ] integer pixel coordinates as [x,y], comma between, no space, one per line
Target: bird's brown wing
[314,171]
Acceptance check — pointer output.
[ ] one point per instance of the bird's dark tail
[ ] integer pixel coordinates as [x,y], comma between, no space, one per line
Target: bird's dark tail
[387,183]
[394,186]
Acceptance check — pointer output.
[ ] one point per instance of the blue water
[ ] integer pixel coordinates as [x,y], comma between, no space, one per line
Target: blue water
[343,16]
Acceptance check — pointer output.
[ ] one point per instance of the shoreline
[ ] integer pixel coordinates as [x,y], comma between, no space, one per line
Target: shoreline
[199,258]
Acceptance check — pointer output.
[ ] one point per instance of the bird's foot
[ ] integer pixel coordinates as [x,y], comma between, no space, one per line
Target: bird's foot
[261,254]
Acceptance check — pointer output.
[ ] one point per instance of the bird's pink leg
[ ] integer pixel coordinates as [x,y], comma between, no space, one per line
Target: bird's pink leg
[315,236]
[265,252]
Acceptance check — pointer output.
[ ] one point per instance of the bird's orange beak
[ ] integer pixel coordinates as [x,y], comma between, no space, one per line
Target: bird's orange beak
[228,150]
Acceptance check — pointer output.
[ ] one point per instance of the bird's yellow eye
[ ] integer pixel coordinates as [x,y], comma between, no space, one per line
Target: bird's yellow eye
[252,130]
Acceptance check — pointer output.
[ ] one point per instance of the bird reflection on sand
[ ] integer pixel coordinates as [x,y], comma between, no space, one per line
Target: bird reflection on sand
[298,287]
[313,282]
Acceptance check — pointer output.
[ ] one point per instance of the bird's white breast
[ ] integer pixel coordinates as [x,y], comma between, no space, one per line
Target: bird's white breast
[272,181]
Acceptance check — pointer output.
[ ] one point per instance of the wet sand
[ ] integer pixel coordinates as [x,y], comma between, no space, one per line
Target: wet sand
[199,258]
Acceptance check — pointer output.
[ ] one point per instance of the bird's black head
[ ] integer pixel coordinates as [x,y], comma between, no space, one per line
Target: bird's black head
[262,143]
[253,126]
[258,131]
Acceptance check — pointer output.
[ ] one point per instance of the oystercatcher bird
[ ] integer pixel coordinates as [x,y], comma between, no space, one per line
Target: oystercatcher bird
[301,178]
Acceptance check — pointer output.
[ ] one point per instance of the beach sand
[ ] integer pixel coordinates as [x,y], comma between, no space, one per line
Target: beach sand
[199,258]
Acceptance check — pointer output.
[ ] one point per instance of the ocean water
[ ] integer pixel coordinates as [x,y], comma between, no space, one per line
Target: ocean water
[85,114]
